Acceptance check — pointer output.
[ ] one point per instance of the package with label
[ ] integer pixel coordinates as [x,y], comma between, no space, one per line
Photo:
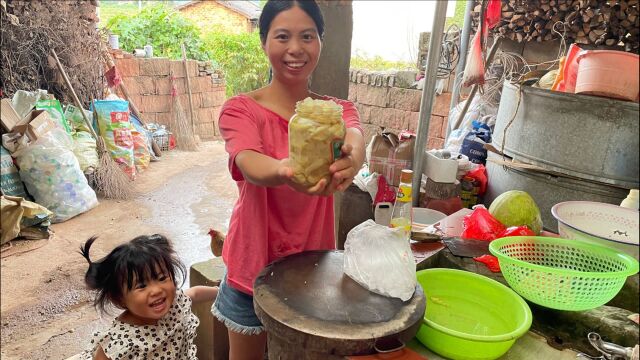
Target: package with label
[10,181]
[115,129]
[54,109]
[388,154]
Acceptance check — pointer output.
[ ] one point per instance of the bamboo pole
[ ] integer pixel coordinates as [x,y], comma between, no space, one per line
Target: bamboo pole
[186,74]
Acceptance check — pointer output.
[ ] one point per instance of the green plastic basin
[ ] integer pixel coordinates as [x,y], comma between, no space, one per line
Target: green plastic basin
[469,316]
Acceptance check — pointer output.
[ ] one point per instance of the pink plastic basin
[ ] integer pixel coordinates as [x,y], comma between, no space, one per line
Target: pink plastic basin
[608,73]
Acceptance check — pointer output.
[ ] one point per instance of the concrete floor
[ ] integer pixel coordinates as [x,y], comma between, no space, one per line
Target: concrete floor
[46,312]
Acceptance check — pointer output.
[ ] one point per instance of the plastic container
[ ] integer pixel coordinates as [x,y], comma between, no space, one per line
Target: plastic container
[598,223]
[148,51]
[469,316]
[562,274]
[608,73]
[438,168]
[114,42]
[631,201]
[316,135]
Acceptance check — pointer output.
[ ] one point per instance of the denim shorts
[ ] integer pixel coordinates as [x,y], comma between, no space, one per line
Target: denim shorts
[235,310]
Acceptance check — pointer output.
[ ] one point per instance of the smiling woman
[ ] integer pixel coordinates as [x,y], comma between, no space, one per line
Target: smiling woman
[275,216]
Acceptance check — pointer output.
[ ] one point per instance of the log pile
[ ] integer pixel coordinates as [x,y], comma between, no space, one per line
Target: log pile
[595,22]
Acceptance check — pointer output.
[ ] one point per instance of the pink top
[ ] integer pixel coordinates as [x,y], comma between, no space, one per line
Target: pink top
[269,223]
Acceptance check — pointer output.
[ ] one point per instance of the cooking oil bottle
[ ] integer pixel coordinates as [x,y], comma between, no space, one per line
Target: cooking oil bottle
[401,217]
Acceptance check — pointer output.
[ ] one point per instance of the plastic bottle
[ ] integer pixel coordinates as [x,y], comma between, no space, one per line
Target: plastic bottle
[401,217]
[316,135]
[631,201]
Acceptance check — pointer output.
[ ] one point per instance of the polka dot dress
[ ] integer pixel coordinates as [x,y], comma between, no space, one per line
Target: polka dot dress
[170,339]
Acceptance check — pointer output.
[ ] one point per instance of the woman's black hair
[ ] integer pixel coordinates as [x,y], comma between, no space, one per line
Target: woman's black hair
[135,261]
[274,7]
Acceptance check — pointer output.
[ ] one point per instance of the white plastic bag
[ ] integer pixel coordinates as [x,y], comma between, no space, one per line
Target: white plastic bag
[380,259]
[52,174]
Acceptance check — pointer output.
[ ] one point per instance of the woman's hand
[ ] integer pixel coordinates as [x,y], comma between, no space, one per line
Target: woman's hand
[343,170]
[285,172]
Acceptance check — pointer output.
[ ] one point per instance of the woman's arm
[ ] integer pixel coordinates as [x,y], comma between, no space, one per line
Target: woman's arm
[264,170]
[202,293]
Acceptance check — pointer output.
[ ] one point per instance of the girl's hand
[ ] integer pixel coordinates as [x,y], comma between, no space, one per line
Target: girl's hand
[343,170]
[285,172]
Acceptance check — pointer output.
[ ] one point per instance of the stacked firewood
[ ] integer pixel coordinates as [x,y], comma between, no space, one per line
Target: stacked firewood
[597,22]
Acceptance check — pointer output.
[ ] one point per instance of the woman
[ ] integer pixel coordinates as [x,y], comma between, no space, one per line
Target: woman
[275,217]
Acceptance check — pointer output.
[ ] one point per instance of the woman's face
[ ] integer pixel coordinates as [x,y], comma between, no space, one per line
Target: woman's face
[293,46]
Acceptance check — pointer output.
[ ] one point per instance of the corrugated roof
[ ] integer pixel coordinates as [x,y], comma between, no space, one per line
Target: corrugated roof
[243,7]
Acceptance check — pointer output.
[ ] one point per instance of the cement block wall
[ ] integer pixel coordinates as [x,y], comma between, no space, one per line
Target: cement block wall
[149,86]
[383,103]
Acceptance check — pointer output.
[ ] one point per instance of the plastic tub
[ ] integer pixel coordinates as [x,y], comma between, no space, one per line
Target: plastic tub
[601,224]
[469,316]
[608,73]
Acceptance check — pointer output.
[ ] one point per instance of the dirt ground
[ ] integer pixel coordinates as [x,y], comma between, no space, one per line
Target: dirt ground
[46,312]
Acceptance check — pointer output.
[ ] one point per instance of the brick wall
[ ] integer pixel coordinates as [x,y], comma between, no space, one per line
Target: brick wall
[383,101]
[149,86]
[208,15]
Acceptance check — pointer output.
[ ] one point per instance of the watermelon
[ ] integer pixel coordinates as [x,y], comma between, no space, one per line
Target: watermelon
[517,208]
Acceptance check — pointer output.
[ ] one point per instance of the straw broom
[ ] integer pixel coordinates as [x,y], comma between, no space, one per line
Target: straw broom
[111,181]
[180,125]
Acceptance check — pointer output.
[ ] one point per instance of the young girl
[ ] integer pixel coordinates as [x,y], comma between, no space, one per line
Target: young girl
[273,216]
[140,277]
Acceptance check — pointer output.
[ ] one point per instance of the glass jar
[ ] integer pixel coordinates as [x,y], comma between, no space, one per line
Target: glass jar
[316,135]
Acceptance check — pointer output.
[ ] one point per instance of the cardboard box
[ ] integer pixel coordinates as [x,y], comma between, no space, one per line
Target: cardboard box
[36,124]
[8,115]
[388,155]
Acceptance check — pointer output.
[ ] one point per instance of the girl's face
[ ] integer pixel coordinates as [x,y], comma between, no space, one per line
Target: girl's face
[149,300]
[293,46]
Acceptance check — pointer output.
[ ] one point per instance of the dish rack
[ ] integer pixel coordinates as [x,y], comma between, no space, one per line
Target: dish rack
[162,140]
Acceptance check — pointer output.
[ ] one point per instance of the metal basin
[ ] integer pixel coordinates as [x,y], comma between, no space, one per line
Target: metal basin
[588,137]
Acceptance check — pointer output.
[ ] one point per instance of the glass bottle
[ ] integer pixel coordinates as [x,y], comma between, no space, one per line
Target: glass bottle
[316,135]
[401,217]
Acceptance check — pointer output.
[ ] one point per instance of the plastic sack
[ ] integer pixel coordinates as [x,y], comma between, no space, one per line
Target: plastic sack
[481,225]
[75,118]
[490,261]
[474,69]
[53,177]
[385,192]
[517,231]
[568,72]
[141,155]
[473,144]
[479,174]
[380,259]
[10,182]
[115,129]
[85,150]
[55,112]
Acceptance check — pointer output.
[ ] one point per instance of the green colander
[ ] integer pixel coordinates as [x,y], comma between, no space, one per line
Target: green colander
[562,274]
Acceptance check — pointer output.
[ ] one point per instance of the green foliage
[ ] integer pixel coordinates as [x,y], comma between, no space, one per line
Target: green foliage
[161,27]
[362,60]
[241,58]
[458,16]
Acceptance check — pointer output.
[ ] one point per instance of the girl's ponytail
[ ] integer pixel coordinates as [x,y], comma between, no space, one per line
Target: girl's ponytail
[91,277]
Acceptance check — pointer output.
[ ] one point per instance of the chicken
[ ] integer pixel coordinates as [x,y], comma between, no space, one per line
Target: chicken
[217,240]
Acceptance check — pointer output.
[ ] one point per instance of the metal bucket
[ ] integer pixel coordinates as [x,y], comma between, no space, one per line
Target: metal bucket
[587,137]
[547,190]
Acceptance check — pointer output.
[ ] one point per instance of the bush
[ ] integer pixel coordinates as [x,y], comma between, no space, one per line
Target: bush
[163,29]
[241,58]
[362,60]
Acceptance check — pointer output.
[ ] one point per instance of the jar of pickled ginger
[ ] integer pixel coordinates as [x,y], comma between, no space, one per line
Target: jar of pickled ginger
[316,135]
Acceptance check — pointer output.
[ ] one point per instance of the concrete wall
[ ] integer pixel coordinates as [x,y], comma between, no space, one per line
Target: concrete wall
[382,103]
[209,15]
[149,86]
